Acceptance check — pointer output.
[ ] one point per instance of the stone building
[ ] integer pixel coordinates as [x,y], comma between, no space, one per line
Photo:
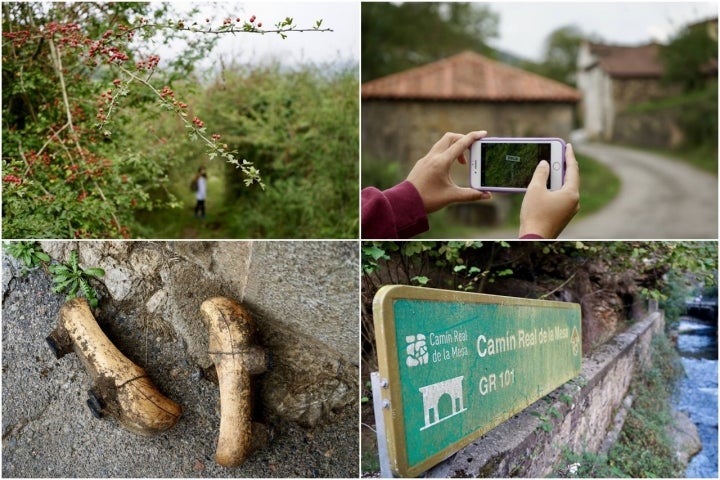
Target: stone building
[612,77]
[405,113]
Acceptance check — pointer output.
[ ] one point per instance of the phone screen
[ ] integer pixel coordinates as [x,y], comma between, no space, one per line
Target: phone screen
[511,165]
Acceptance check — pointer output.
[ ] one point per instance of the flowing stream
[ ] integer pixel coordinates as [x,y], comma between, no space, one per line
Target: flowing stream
[698,392]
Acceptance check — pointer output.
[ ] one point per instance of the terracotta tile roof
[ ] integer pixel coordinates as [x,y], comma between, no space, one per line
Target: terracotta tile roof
[629,62]
[469,76]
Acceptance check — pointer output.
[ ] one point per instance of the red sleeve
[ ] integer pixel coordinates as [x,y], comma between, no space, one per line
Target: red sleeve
[397,212]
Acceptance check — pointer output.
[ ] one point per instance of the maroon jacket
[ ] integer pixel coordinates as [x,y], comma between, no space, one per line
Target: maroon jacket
[397,212]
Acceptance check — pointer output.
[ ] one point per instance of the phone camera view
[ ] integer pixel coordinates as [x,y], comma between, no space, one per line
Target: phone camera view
[511,165]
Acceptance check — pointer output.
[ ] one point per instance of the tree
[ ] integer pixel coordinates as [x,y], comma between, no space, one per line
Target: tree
[691,57]
[396,37]
[560,54]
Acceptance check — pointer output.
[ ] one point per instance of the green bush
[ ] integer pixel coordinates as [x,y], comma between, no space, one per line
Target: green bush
[300,128]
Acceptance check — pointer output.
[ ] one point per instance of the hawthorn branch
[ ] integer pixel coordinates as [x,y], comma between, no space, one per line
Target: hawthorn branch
[57,63]
[29,169]
[53,137]
[246,167]
[245,28]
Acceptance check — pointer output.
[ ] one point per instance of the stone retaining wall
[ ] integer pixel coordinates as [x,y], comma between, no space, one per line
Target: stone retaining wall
[577,415]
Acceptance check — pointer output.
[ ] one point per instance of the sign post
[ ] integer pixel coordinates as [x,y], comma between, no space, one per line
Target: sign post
[454,365]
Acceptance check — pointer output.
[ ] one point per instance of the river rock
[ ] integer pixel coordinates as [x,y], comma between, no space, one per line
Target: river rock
[685,437]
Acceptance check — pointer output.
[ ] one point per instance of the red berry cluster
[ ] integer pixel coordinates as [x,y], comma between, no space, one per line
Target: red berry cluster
[198,123]
[216,136]
[116,56]
[148,64]
[102,48]
[32,158]
[12,179]
[106,98]
[166,92]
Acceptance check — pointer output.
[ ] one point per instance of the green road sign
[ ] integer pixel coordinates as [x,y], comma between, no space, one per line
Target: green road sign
[458,364]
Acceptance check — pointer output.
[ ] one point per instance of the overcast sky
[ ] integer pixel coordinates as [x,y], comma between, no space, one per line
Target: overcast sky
[524,26]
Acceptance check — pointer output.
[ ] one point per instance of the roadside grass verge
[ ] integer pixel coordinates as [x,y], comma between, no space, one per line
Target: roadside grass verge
[696,114]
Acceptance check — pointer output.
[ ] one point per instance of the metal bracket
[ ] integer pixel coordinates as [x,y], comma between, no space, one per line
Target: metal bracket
[379,404]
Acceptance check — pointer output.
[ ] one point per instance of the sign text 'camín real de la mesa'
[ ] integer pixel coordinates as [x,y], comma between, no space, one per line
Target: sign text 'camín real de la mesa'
[458,364]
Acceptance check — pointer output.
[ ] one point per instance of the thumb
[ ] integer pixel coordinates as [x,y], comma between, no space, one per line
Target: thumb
[462,194]
[540,177]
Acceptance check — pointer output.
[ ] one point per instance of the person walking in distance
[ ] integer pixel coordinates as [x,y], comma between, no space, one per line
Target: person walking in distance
[200,192]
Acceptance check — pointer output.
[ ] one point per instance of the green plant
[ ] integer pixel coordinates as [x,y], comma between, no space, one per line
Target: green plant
[643,448]
[80,159]
[75,280]
[545,424]
[30,253]
[585,465]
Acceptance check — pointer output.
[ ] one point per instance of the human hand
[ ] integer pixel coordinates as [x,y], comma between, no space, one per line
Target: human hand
[545,212]
[431,174]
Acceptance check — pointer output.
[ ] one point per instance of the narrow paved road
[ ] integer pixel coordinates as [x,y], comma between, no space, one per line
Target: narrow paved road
[658,199]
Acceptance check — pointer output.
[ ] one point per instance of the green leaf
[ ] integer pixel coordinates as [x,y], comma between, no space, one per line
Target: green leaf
[58,269]
[421,280]
[74,285]
[62,284]
[95,271]
[375,252]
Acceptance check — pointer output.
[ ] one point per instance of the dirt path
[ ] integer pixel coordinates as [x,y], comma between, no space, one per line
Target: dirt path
[659,198]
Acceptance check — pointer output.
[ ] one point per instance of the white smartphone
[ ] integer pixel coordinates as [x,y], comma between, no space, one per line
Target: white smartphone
[508,164]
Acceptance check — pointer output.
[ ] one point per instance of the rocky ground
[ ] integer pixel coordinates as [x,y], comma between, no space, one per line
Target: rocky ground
[48,430]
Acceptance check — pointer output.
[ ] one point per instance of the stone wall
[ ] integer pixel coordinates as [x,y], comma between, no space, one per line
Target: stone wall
[585,408]
[404,131]
[657,129]
[631,91]
[303,296]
